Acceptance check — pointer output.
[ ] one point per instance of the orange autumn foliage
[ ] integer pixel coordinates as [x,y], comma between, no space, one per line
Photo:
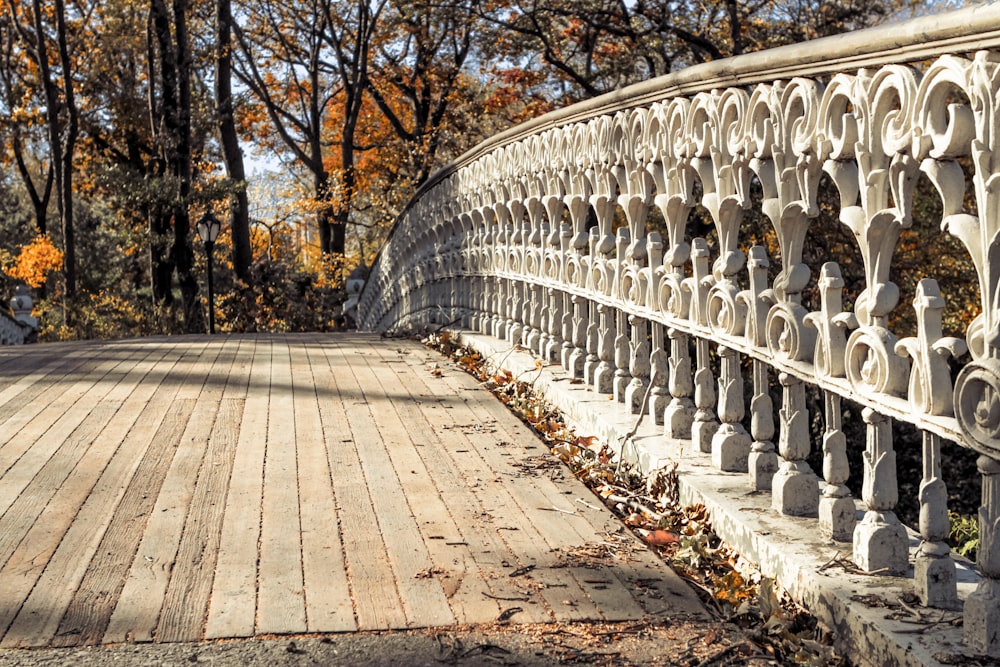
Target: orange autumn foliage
[35,261]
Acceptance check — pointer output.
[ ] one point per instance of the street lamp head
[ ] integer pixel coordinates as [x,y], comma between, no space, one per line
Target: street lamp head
[209,228]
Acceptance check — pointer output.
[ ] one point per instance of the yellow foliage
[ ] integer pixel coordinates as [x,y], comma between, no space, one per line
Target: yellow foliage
[35,261]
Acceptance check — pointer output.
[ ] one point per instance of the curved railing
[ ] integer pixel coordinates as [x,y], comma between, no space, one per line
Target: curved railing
[541,236]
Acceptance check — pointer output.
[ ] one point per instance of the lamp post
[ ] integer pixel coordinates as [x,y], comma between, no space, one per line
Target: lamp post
[208,231]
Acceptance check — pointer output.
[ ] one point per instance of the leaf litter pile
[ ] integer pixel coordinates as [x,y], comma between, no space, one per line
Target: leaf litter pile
[761,624]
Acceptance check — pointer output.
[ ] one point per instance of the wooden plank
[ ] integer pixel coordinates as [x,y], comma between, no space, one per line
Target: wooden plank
[583,527]
[280,595]
[35,433]
[233,606]
[423,597]
[496,553]
[453,563]
[328,596]
[21,393]
[565,589]
[46,465]
[373,584]
[186,601]
[153,439]
[187,598]
[139,605]
[113,458]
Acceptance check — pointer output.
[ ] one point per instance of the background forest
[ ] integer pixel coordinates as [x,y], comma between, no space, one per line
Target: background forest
[305,125]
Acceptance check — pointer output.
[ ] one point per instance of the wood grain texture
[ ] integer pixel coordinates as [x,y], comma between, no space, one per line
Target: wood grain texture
[178,489]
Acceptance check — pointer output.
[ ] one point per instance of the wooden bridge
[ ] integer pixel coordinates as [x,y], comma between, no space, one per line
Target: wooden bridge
[176,489]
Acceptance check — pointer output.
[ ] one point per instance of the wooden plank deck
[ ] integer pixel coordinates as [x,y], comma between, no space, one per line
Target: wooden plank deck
[179,489]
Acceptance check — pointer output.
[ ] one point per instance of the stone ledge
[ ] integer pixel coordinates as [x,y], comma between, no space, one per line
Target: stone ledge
[788,549]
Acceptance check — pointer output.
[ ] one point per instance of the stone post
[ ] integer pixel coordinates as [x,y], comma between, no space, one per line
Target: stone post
[592,360]
[705,424]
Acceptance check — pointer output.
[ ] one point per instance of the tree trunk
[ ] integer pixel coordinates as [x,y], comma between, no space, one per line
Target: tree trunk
[175,141]
[231,152]
[63,129]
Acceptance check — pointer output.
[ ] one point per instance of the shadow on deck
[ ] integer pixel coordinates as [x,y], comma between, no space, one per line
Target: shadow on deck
[179,489]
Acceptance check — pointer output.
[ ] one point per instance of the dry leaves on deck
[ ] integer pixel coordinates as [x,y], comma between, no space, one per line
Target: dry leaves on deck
[780,631]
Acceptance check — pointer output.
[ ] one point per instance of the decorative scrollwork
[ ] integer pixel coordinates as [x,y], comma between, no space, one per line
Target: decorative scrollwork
[872,365]
[673,298]
[727,314]
[787,335]
[977,405]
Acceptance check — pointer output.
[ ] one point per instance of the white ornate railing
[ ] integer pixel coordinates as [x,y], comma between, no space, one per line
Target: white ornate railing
[518,238]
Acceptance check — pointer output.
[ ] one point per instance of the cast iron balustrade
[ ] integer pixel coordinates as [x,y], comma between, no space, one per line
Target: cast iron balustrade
[539,236]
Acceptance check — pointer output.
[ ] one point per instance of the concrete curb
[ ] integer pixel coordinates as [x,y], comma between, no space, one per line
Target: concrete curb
[788,549]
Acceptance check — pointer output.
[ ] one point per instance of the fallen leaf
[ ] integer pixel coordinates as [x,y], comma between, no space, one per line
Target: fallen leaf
[660,537]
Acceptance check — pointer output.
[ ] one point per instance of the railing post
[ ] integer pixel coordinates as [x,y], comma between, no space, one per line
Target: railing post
[638,365]
[982,608]
[762,462]
[880,539]
[593,359]
[577,356]
[836,507]
[623,345]
[679,415]
[934,570]
[704,426]
[604,374]
[622,356]
[794,488]
[731,442]
[659,376]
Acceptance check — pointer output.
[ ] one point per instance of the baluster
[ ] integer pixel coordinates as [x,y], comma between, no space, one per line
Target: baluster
[622,355]
[575,363]
[880,539]
[794,488]
[705,424]
[499,322]
[605,372]
[638,364]
[762,461]
[622,343]
[553,326]
[593,359]
[659,376]
[982,608]
[836,507]
[566,328]
[533,318]
[515,330]
[731,442]
[934,570]
[679,415]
